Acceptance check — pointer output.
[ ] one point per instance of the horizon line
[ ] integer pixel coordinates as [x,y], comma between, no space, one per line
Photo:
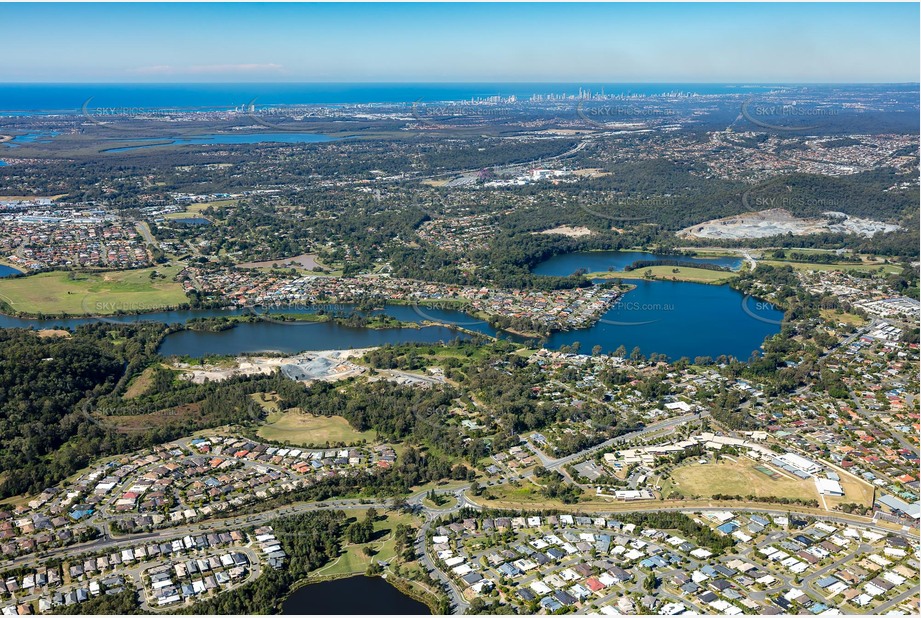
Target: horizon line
[510,82]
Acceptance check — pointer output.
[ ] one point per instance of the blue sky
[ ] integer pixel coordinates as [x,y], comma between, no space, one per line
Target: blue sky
[822,42]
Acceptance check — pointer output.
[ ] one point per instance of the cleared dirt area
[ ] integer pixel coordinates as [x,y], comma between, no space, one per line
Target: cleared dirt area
[306,367]
[566,230]
[140,384]
[777,221]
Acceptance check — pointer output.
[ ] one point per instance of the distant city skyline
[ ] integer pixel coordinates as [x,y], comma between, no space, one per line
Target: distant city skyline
[514,42]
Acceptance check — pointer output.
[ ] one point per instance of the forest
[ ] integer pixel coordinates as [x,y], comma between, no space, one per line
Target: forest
[310,540]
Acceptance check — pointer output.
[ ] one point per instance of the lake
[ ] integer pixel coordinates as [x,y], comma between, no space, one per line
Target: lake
[678,319]
[600,261]
[191,221]
[672,318]
[279,336]
[6,271]
[293,337]
[357,596]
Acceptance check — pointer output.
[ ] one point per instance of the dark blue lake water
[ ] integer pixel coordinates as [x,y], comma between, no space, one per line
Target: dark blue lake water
[6,271]
[672,318]
[356,596]
[280,336]
[600,261]
[679,319]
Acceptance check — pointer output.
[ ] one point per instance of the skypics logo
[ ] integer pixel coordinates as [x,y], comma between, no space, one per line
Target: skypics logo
[118,311]
[119,118]
[455,114]
[612,116]
[772,194]
[626,307]
[762,310]
[767,311]
[781,116]
[629,209]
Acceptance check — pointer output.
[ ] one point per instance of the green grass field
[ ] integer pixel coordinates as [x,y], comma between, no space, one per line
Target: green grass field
[196,210]
[847,318]
[296,427]
[866,267]
[96,293]
[736,478]
[696,275]
[353,560]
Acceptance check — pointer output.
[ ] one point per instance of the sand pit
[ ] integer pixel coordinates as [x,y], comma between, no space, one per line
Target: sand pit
[779,221]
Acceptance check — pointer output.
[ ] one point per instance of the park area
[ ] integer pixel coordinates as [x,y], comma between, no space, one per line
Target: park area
[302,429]
[669,273]
[94,293]
[353,559]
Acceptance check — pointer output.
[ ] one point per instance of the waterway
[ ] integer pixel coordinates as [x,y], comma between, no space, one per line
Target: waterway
[677,319]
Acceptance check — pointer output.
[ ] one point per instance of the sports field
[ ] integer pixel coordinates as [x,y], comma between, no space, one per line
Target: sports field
[739,478]
[95,293]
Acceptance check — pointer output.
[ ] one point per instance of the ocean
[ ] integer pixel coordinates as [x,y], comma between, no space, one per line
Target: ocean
[25,99]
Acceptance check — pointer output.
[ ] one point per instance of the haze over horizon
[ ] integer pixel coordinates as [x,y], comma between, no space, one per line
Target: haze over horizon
[448,43]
